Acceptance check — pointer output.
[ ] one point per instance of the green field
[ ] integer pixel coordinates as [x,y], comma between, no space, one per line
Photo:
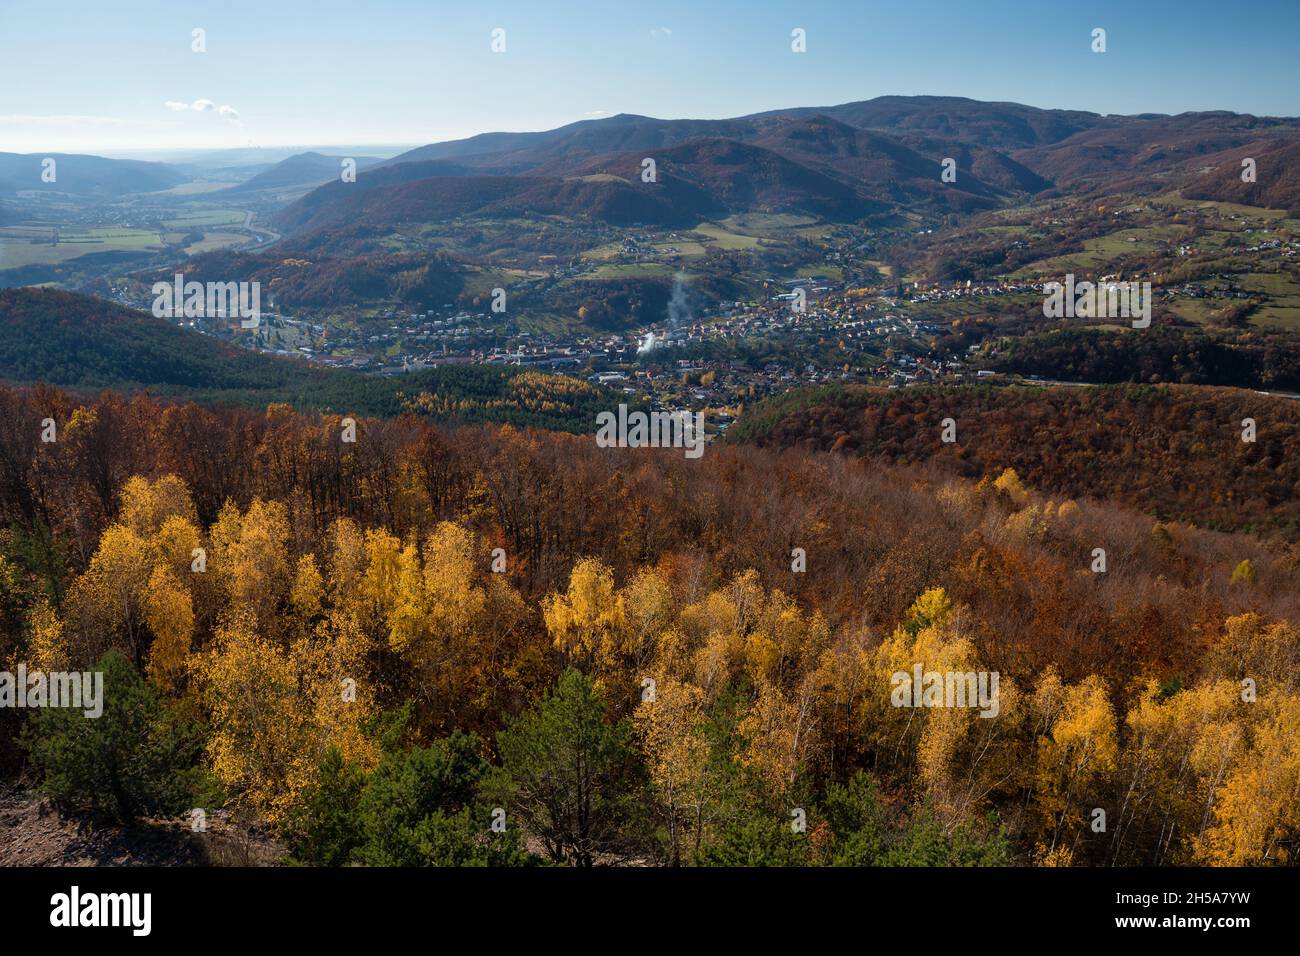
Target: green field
[1226,208]
[118,236]
[1102,251]
[206,217]
[1194,310]
[215,240]
[25,246]
[1277,316]
[765,224]
[724,238]
[695,242]
[679,247]
[630,270]
[1283,291]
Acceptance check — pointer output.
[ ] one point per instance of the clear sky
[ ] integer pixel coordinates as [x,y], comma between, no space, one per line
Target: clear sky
[93,75]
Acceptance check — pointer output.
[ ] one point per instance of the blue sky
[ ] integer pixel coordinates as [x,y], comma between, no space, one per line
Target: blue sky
[93,75]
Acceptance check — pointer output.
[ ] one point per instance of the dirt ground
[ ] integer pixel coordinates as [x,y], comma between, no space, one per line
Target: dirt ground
[35,833]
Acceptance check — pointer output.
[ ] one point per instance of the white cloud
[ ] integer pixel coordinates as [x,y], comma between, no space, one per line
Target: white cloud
[225,111]
[658,32]
[594,113]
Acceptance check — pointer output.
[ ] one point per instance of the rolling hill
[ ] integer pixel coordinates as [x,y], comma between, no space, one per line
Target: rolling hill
[518,152]
[814,165]
[83,343]
[336,203]
[83,175]
[302,170]
[440,197]
[1277,177]
[62,338]
[1173,451]
[881,167]
[1002,126]
[838,163]
[1009,146]
[740,177]
[330,281]
[1110,157]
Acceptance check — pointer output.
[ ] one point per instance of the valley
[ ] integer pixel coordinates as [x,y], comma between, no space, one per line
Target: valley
[770,252]
[924,445]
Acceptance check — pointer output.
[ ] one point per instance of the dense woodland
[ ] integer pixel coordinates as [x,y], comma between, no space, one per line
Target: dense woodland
[1276,188]
[1181,356]
[641,673]
[419,281]
[84,343]
[1172,452]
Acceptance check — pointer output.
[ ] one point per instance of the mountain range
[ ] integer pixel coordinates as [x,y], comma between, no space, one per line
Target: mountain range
[848,161]
[842,163]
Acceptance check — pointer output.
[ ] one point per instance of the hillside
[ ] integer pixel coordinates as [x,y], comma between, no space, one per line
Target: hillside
[838,163]
[66,339]
[989,166]
[1277,177]
[696,180]
[304,169]
[575,141]
[439,198]
[620,563]
[880,167]
[1113,156]
[330,281]
[994,125]
[1174,452]
[1045,136]
[1244,359]
[331,203]
[84,175]
[739,177]
[60,338]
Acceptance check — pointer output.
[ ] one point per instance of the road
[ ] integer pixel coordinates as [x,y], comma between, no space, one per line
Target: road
[261,235]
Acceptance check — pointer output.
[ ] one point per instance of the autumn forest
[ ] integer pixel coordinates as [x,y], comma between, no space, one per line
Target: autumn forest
[488,645]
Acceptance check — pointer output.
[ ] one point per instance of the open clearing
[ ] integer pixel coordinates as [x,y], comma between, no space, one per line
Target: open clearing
[206,217]
[26,246]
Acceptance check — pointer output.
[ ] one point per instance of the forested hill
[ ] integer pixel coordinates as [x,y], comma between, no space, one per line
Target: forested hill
[376,559]
[67,339]
[1172,451]
[76,341]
